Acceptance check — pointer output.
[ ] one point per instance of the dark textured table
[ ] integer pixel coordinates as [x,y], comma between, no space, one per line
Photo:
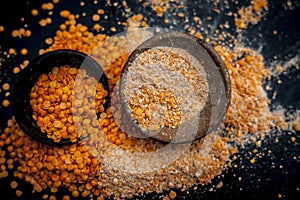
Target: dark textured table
[277,174]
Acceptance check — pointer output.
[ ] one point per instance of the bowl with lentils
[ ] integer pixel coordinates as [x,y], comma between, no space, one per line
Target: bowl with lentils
[59,96]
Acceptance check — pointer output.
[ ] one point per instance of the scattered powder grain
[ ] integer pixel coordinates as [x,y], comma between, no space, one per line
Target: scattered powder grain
[160,6]
[251,14]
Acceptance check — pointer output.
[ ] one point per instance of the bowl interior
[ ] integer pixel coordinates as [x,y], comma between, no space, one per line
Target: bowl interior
[44,63]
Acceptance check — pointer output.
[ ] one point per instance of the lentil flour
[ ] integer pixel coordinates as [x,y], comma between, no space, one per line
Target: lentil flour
[164,87]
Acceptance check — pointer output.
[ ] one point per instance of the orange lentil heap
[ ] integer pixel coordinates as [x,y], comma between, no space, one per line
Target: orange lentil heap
[111,163]
[53,109]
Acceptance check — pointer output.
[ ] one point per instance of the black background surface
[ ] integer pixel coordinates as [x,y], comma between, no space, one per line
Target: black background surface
[278,170]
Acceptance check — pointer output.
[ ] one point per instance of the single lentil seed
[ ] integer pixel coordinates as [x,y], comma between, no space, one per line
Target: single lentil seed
[5,103]
[13,184]
[11,51]
[19,193]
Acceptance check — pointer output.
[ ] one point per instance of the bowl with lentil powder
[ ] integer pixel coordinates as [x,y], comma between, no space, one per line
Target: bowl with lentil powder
[175,88]
[59,92]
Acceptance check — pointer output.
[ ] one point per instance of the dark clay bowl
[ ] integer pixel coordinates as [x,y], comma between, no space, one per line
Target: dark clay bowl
[21,108]
[212,115]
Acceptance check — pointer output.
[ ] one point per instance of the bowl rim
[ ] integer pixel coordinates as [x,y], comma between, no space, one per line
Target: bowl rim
[217,60]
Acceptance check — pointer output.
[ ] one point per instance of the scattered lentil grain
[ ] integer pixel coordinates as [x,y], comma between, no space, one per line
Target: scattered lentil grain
[100,11]
[5,86]
[11,51]
[5,103]
[113,29]
[172,194]
[19,193]
[34,12]
[24,51]
[65,13]
[96,17]
[97,27]
[14,184]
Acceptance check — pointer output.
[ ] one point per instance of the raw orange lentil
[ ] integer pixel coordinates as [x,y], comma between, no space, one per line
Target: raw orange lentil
[5,103]
[27,33]
[15,33]
[19,193]
[13,184]
[97,27]
[6,86]
[165,198]
[10,148]
[47,6]
[62,27]
[293,139]
[95,17]
[100,11]
[52,197]
[55,177]
[49,20]
[24,51]
[172,194]
[43,22]
[11,51]
[66,197]
[75,193]
[34,12]
[16,70]
[180,15]
[65,13]
[49,41]
[113,29]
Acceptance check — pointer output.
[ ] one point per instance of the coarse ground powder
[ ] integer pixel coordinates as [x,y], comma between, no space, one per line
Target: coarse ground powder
[167,82]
